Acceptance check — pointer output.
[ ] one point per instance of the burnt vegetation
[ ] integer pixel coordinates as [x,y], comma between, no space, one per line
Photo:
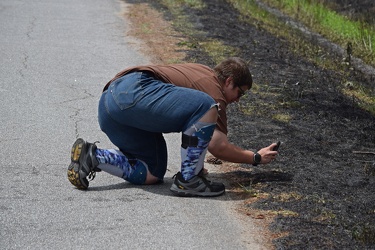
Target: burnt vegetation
[327,156]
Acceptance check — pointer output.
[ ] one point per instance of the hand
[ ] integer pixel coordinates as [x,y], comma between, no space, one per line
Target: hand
[268,154]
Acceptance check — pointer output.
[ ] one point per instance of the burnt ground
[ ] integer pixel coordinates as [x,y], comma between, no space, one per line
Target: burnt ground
[362,10]
[319,193]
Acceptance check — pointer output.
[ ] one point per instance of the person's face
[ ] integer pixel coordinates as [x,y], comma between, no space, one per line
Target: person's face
[232,92]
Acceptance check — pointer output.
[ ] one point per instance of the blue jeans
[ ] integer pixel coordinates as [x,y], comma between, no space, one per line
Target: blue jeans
[136,109]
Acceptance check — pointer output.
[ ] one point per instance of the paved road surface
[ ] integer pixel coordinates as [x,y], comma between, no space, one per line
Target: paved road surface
[55,57]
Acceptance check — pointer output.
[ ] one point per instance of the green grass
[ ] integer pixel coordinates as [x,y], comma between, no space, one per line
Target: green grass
[332,25]
[217,50]
[249,189]
[195,4]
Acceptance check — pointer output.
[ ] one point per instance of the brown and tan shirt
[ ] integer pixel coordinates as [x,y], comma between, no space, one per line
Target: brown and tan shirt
[189,75]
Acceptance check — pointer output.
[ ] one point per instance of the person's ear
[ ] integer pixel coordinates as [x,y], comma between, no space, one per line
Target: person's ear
[228,81]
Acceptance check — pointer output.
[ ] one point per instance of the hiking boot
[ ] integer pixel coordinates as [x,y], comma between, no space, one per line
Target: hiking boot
[83,164]
[197,186]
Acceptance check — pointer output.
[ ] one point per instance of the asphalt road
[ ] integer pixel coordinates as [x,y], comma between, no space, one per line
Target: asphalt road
[55,58]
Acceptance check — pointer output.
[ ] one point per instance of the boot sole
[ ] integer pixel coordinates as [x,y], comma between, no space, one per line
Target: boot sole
[73,169]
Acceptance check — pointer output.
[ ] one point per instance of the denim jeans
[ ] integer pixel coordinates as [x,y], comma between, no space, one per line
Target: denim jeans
[137,109]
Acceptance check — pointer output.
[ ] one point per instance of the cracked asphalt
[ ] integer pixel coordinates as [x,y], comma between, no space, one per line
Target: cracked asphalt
[56,57]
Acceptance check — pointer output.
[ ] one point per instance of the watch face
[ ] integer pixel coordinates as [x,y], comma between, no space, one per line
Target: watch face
[257,158]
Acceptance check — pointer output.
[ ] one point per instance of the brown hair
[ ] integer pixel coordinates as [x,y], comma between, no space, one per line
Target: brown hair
[236,68]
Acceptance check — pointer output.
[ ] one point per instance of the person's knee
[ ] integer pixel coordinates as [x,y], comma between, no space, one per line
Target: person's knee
[150,179]
[211,115]
[141,175]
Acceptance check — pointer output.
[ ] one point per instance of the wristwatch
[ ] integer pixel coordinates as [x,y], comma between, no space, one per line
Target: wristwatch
[257,159]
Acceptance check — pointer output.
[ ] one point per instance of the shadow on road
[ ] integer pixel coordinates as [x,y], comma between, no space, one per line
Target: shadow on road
[237,177]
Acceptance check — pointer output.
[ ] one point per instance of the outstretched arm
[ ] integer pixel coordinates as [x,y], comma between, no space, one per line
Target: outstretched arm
[221,148]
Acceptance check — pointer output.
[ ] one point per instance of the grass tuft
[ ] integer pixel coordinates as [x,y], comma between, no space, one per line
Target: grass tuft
[249,190]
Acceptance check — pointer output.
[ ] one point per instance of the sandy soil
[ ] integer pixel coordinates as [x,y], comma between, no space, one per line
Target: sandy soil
[319,194]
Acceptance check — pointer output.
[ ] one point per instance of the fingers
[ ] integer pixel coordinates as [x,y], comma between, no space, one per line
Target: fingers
[272,145]
[268,154]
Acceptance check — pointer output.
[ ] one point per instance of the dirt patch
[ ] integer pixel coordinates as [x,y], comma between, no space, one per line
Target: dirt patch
[319,193]
[156,34]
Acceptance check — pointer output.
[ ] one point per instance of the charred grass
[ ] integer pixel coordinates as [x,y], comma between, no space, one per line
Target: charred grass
[319,193]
